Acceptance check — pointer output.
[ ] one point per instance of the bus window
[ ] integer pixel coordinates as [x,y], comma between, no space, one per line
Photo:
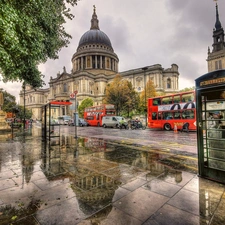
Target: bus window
[188,114]
[176,99]
[156,101]
[168,115]
[177,115]
[188,97]
[166,100]
[90,118]
[159,116]
[154,116]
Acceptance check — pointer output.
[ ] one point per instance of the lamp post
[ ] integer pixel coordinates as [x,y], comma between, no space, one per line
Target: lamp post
[144,69]
[24,110]
[73,96]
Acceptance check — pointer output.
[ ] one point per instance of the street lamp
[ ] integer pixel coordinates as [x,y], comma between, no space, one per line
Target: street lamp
[144,69]
[74,96]
[24,88]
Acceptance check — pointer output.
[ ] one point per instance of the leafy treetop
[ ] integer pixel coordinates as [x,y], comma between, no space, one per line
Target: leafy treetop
[31,31]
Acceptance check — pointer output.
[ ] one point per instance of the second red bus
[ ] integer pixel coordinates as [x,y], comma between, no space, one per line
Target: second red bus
[94,114]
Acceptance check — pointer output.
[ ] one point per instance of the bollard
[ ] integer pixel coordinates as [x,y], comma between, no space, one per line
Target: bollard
[175,128]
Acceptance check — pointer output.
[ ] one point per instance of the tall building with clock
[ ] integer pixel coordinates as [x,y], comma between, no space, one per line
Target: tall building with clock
[94,65]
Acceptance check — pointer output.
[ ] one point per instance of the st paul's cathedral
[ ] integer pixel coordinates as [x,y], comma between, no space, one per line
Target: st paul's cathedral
[94,65]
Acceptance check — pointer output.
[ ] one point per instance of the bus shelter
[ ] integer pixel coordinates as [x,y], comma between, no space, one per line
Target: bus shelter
[50,123]
[210,105]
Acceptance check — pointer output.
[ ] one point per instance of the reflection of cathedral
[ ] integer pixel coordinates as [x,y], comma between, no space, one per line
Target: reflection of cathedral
[95,64]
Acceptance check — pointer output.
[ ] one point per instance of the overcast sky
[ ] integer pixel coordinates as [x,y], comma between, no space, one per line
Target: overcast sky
[144,33]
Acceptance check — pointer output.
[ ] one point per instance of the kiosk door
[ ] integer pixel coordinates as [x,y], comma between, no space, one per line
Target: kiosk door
[211,132]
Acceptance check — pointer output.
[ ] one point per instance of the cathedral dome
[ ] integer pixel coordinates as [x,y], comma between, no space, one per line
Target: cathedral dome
[95,36]
[95,51]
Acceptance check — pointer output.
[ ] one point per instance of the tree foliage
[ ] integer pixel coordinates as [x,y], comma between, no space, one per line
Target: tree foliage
[121,94]
[31,31]
[9,102]
[148,92]
[187,89]
[85,103]
[132,102]
[20,112]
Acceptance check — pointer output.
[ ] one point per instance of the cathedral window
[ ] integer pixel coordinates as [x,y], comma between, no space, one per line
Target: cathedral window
[65,88]
[88,61]
[168,83]
[218,65]
[107,65]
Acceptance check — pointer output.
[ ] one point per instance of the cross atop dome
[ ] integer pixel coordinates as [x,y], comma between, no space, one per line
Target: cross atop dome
[94,20]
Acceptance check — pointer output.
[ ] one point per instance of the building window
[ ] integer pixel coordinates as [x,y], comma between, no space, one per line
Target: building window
[168,83]
[65,87]
[218,65]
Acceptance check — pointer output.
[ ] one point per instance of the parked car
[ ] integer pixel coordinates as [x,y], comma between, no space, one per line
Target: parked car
[71,123]
[64,120]
[81,122]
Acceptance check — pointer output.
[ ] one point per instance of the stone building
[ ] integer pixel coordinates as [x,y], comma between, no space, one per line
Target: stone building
[94,65]
[216,57]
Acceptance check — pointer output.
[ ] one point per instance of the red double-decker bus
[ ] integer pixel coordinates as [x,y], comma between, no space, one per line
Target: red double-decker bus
[167,112]
[94,114]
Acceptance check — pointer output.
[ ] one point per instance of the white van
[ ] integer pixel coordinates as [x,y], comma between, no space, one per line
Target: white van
[111,121]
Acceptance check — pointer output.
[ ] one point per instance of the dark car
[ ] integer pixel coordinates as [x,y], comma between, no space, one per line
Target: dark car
[82,122]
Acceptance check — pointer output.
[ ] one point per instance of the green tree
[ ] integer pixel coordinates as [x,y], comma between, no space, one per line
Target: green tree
[132,102]
[148,92]
[187,89]
[20,113]
[30,33]
[9,102]
[85,103]
[118,93]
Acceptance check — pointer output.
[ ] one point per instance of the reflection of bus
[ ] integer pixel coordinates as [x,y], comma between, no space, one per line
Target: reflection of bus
[176,109]
[94,114]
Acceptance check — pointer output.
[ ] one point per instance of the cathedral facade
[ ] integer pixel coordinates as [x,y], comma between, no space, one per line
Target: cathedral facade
[94,65]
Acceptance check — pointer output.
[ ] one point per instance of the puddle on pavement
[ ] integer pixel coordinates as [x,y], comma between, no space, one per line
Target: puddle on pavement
[82,176]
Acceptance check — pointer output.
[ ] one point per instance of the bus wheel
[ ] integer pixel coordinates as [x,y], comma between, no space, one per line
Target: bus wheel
[167,127]
[98,124]
[104,125]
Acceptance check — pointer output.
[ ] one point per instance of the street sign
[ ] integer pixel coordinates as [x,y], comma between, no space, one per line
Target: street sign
[73,95]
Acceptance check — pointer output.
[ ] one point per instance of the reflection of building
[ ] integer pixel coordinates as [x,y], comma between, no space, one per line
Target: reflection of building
[92,185]
[94,65]
[216,58]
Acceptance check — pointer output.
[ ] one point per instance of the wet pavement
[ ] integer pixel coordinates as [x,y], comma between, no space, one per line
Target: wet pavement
[106,176]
